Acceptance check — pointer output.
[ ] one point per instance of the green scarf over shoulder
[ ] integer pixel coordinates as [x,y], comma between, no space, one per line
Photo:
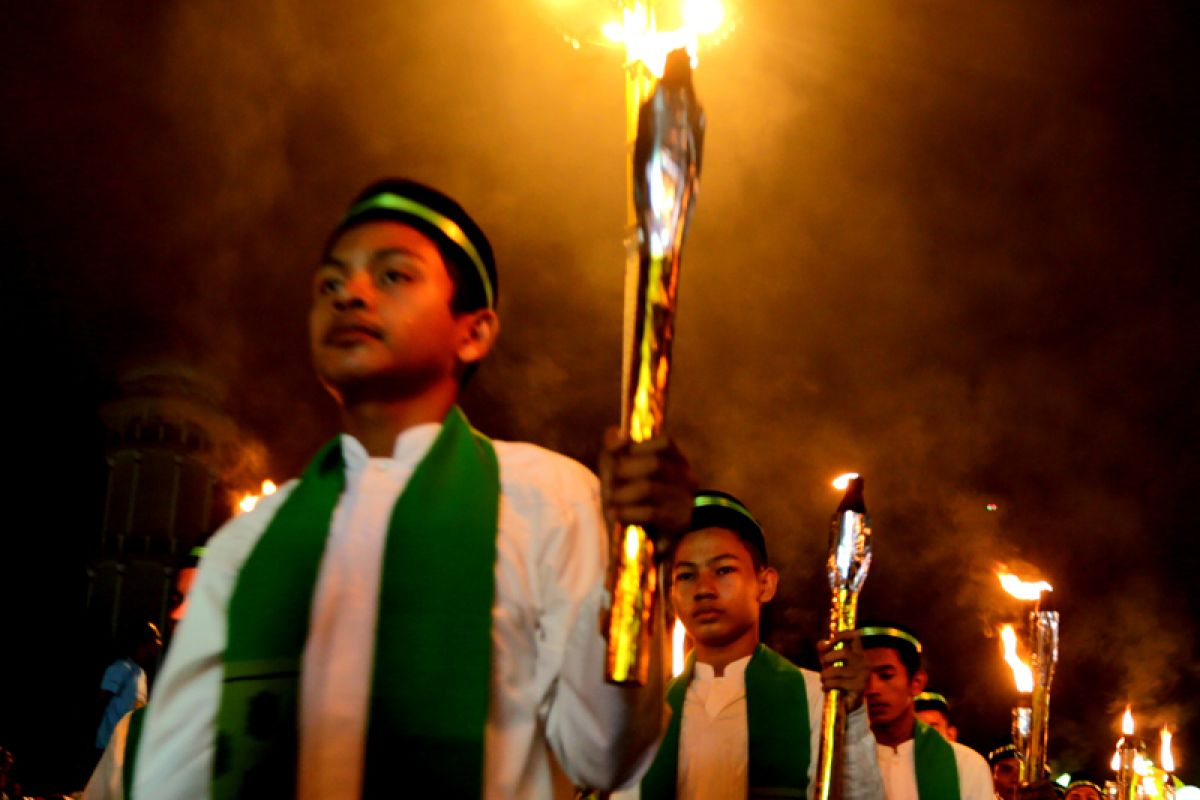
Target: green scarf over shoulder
[936,767]
[777,725]
[432,664]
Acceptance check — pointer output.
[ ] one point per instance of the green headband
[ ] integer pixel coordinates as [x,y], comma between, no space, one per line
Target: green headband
[724,502]
[1076,784]
[931,696]
[448,227]
[893,633]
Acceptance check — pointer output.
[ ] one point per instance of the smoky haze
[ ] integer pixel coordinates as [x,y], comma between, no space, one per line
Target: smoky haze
[947,245]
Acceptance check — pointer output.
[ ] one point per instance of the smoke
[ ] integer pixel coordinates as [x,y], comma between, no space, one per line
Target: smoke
[946,247]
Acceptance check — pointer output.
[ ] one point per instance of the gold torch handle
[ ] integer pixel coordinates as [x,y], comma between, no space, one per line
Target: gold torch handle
[665,168]
[828,784]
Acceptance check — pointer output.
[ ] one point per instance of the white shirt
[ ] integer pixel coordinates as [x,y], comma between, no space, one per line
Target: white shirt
[550,710]
[897,766]
[714,756]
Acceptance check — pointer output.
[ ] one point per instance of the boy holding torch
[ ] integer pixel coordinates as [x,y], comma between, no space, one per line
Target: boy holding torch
[421,608]
[745,720]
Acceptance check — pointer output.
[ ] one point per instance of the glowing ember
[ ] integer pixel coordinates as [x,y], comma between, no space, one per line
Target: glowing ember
[1022,590]
[678,636]
[842,482]
[644,42]
[1165,756]
[269,488]
[1022,674]
[1127,722]
[248,502]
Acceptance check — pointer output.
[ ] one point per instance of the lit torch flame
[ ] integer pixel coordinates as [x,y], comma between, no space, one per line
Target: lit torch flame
[1127,722]
[644,42]
[1166,757]
[1116,759]
[1022,590]
[1022,674]
[842,482]
[249,501]
[678,636]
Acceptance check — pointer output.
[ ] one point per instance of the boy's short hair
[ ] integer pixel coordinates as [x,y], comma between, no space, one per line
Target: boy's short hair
[932,701]
[1001,753]
[714,509]
[896,637]
[462,244]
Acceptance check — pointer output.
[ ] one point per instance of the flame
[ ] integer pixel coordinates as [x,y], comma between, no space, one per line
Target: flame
[1116,759]
[842,482]
[678,636]
[1022,674]
[1022,590]
[644,42]
[250,500]
[1127,722]
[1166,757]
[1142,765]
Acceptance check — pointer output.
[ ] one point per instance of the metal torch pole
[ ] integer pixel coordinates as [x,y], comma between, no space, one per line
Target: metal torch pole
[666,172]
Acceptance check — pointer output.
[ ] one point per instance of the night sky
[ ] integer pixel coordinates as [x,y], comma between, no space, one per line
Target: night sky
[949,245]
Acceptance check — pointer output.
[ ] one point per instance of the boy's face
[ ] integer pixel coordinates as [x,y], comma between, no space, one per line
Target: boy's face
[1006,775]
[716,591]
[380,320]
[890,690]
[939,722]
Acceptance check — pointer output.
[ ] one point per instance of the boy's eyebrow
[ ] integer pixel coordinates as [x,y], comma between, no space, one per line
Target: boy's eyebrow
[330,260]
[713,560]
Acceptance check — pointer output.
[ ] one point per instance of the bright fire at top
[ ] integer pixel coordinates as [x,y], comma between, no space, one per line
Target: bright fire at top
[842,482]
[678,639]
[249,501]
[645,42]
[1127,722]
[1022,590]
[1022,674]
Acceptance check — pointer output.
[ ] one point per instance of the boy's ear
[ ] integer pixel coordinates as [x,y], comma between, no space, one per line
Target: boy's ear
[768,582]
[478,332]
[919,679]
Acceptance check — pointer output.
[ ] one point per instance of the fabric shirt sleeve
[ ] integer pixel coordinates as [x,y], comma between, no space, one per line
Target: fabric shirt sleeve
[116,677]
[861,768]
[603,736]
[974,777]
[175,754]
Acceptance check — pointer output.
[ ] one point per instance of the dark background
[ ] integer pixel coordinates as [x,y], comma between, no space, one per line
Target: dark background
[948,245]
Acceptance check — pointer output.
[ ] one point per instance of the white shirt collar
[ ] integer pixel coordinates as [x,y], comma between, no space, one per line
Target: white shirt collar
[734,671]
[410,447]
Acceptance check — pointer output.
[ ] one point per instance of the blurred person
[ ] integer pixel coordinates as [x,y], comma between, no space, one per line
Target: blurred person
[1006,771]
[934,710]
[422,605]
[124,686]
[1083,790]
[914,759]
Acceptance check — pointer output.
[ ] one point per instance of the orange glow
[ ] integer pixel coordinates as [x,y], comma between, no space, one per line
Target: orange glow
[1022,674]
[1022,590]
[678,637]
[644,41]
[269,488]
[248,502]
[1116,759]
[1127,722]
[842,482]
[1166,758]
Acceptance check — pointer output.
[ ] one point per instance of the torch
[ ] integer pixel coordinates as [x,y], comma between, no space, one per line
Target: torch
[849,560]
[1166,761]
[1126,758]
[666,171]
[1022,715]
[1031,724]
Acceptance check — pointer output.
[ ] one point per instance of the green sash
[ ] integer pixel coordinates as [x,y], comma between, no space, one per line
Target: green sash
[133,733]
[936,767]
[437,587]
[777,725]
